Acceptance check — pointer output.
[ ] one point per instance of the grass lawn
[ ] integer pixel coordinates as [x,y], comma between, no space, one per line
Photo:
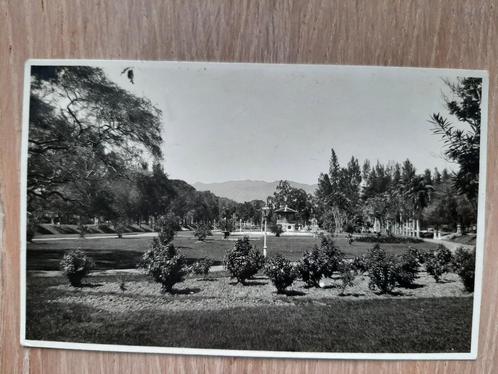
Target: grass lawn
[114,253]
[245,317]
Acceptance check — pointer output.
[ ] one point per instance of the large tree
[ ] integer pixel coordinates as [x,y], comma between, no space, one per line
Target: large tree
[338,193]
[84,132]
[462,140]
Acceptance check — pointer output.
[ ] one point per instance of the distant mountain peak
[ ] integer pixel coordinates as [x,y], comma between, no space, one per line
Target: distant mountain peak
[247,190]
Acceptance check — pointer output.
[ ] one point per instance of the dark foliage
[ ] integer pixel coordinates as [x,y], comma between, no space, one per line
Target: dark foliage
[164,264]
[381,270]
[281,272]
[438,262]
[76,265]
[243,261]
[202,266]
[388,239]
[464,263]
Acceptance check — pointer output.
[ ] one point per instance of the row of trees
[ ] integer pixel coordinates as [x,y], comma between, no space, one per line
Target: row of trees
[395,196]
[95,152]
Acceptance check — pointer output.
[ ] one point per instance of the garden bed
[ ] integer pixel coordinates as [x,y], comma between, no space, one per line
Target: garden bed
[215,313]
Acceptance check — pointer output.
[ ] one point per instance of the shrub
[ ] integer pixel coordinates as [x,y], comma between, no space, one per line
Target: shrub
[464,264]
[276,229]
[359,264]
[407,268]
[438,262]
[119,228]
[202,232]
[83,230]
[347,274]
[388,239]
[166,235]
[381,270]
[201,267]
[332,254]
[164,264]
[227,225]
[313,266]
[76,265]
[166,227]
[243,261]
[349,228]
[281,272]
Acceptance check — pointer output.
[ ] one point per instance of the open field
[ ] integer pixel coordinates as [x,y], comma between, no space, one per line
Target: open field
[114,253]
[216,313]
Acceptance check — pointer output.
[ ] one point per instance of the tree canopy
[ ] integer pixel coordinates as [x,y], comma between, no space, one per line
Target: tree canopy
[462,140]
[84,132]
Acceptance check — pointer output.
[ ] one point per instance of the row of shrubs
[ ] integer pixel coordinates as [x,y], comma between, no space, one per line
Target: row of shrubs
[167,266]
[388,239]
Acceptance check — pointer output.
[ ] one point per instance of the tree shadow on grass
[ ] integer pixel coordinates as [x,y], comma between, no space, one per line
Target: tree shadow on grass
[329,286]
[354,294]
[258,278]
[206,279]
[292,293]
[184,247]
[90,285]
[414,286]
[185,291]
[249,283]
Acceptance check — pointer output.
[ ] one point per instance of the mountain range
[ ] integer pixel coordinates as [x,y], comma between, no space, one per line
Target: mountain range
[247,190]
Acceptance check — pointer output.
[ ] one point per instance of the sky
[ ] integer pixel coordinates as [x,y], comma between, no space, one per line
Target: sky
[268,122]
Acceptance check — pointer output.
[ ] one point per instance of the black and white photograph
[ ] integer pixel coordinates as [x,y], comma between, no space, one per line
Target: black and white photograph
[263,210]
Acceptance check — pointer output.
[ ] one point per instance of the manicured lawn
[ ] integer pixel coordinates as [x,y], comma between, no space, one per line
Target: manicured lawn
[287,323]
[110,253]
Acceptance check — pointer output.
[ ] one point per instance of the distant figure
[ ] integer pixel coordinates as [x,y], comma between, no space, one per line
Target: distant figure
[226,234]
[350,239]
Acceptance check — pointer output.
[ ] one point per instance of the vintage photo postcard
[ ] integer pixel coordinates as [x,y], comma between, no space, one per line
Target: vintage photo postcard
[264,210]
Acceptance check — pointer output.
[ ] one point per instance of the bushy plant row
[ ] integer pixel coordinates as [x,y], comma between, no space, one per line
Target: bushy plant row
[167,266]
[388,239]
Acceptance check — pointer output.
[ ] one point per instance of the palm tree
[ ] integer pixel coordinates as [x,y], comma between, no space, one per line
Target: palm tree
[417,194]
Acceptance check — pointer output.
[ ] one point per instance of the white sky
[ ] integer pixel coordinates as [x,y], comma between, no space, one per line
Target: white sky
[268,122]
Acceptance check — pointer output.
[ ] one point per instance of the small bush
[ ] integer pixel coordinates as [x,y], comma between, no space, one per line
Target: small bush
[201,267]
[388,239]
[349,228]
[281,272]
[438,262]
[333,255]
[166,235]
[76,265]
[276,229]
[359,264]
[347,274]
[243,261]
[464,264]
[166,227]
[83,230]
[313,266]
[164,264]
[407,268]
[381,270]
[119,228]
[202,232]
